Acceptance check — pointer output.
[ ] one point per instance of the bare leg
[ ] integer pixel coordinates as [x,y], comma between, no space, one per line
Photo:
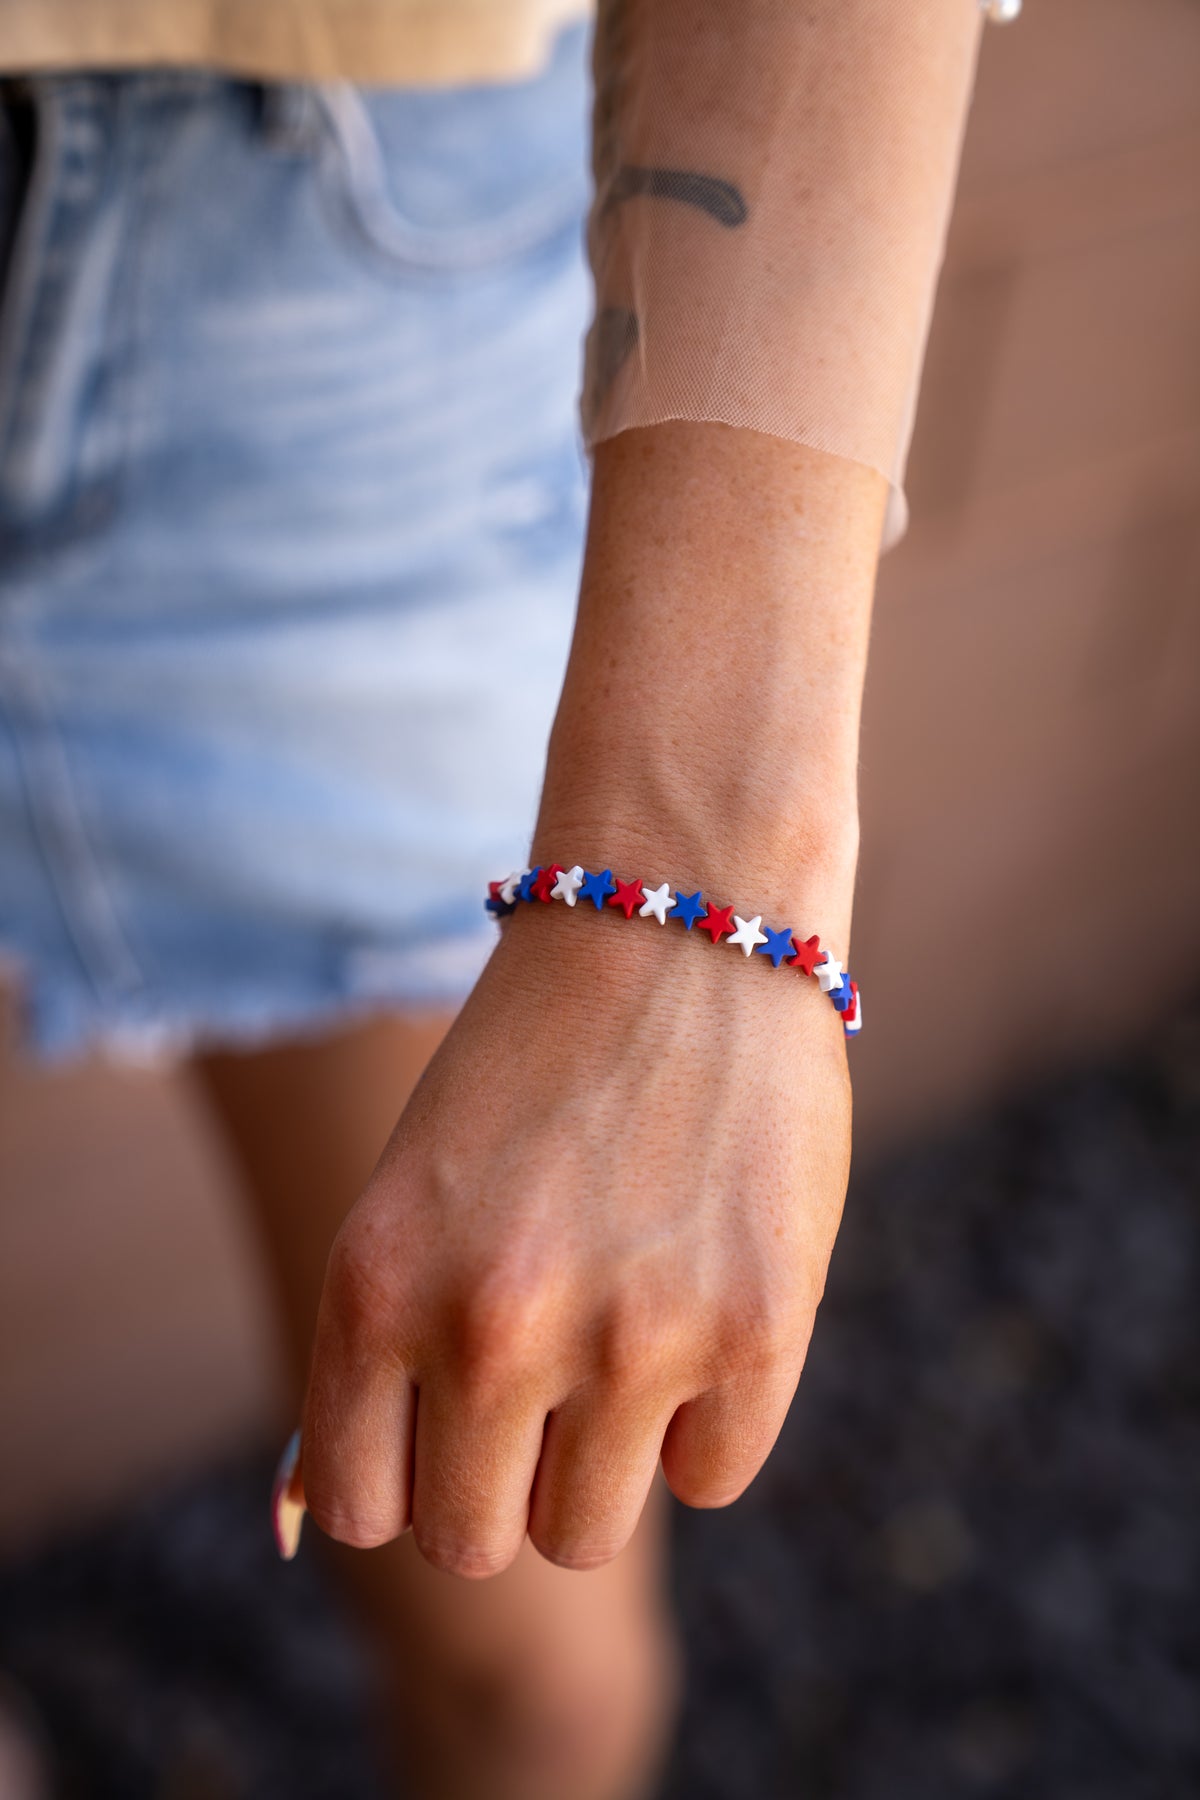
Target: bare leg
[541,1684]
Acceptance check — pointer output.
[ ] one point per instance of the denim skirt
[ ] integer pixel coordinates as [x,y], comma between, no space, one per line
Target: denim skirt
[291,512]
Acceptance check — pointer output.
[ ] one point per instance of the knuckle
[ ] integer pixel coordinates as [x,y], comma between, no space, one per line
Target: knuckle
[708,1491]
[566,1551]
[710,1461]
[359,1527]
[758,1339]
[642,1346]
[750,1352]
[363,1307]
[350,1497]
[457,1555]
[501,1335]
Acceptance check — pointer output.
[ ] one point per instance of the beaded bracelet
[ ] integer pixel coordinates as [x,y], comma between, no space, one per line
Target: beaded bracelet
[554,882]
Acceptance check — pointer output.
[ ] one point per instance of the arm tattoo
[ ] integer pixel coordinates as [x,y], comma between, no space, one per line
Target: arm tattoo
[616,51]
[721,200]
[611,341]
[614,56]
[616,337]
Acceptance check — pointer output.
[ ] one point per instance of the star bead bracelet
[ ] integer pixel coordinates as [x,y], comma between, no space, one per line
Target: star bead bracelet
[602,888]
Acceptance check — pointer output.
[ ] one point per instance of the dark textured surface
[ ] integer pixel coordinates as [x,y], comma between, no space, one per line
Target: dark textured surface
[971,1568]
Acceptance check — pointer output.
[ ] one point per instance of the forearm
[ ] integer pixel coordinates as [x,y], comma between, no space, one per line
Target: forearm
[772,188]
[709,717]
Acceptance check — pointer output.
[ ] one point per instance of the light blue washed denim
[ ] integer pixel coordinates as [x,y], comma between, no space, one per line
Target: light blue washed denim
[291,504]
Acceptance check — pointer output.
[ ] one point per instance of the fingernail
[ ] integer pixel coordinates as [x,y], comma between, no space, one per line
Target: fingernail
[287,1505]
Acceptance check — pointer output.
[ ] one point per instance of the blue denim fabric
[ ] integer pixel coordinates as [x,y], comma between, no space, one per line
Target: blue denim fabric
[291,507]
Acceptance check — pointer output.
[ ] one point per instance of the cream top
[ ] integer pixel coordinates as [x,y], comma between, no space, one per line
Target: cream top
[773,179]
[384,41]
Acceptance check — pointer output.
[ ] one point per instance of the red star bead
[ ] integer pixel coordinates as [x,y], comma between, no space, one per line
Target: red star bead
[546,880]
[494,891]
[717,921]
[628,895]
[806,955]
[851,1012]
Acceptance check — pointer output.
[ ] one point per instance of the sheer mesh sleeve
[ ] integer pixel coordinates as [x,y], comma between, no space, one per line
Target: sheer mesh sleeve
[773,183]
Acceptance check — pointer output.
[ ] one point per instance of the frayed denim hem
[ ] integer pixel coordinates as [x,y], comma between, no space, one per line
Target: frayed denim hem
[55,1027]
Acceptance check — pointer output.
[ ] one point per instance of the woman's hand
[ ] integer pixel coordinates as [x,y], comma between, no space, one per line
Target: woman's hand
[599,1234]
[601,1228]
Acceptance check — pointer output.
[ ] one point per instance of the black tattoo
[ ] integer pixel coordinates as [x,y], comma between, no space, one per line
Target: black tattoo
[613,339]
[624,38]
[616,331]
[721,200]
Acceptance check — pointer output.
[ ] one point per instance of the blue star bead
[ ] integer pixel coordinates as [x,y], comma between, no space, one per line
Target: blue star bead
[597,888]
[525,889]
[778,945]
[841,996]
[689,908]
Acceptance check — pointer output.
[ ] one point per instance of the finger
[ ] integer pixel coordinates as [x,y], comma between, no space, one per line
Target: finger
[357,1432]
[716,1444]
[474,1468]
[597,1466]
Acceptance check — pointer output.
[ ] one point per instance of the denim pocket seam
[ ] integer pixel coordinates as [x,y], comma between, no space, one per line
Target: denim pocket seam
[352,180]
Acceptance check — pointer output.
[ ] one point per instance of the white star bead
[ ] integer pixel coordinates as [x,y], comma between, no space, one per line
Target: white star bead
[856,1023]
[658,901]
[829,973]
[747,933]
[568,885]
[1000,12]
[510,884]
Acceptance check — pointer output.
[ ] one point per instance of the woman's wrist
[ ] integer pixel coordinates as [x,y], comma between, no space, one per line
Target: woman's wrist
[708,727]
[778,865]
